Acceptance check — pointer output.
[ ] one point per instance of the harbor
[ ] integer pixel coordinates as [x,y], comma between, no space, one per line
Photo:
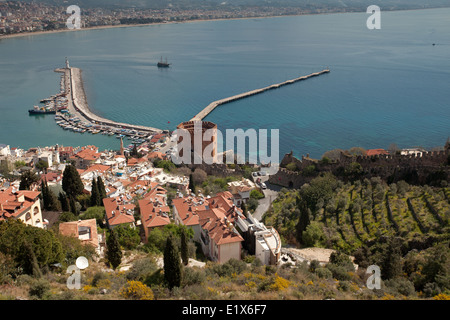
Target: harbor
[71,111]
[202,114]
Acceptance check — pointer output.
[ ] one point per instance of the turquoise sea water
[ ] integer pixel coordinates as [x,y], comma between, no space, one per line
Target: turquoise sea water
[386,86]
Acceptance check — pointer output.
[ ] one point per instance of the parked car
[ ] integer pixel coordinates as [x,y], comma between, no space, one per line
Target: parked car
[263,185]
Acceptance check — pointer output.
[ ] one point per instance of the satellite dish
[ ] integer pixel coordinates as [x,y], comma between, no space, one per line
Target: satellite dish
[82,263]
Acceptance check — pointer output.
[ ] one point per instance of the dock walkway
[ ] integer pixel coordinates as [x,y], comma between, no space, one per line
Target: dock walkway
[202,114]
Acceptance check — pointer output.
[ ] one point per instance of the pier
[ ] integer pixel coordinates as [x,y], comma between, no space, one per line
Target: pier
[202,114]
[77,104]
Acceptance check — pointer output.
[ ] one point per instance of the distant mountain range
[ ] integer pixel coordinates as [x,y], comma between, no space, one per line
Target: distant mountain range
[324,4]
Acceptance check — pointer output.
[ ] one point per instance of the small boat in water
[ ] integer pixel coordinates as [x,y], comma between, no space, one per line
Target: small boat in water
[162,64]
[41,110]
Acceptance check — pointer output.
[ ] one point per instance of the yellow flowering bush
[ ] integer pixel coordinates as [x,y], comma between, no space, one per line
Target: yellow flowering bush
[136,290]
[442,296]
[279,284]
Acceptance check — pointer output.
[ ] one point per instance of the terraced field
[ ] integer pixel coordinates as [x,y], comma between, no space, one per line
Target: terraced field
[361,213]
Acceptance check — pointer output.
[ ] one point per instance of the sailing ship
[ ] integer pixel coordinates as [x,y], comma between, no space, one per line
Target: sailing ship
[162,64]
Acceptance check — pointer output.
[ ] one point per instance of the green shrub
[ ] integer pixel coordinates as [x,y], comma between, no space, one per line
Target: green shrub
[323,273]
[256,194]
[402,286]
[141,269]
[313,265]
[228,268]
[344,285]
[40,289]
[339,272]
[193,276]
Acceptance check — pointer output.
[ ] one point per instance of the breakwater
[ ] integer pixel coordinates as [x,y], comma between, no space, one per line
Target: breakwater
[77,104]
[202,114]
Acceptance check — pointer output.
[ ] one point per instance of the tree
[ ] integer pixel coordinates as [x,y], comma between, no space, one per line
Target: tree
[27,179]
[244,208]
[319,188]
[67,216]
[303,220]
[172,263]
[64,202]
[48,197]
[73,206]
[113,250]
[199,176]
[393,148]
[101,189]
[41,165]
[342,260]
[127,236]
[16,236]
[184,248]
[71,182]
[191,183]
[391,264]
[313,236]
[31,265]
[97,213]
[95,195]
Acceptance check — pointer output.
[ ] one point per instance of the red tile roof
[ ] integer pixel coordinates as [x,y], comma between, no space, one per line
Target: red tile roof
[374,152]
[13,204]
[118,211]
[216,214]
[72,229]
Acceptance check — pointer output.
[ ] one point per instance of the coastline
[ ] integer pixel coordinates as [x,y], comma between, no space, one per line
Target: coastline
[37,33]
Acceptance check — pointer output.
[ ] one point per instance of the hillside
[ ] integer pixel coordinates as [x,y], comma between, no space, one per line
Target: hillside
[358,214]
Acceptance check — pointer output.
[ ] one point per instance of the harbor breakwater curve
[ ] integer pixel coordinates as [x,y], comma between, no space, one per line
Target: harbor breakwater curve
[202,114]
[78,103]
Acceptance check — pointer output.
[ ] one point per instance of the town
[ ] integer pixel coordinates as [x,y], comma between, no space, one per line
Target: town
[212,217]
[20,17]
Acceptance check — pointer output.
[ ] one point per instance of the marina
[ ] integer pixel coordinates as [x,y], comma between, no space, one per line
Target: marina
[72,112]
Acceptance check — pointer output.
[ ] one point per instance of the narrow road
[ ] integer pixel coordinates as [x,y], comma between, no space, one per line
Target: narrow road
[270,194]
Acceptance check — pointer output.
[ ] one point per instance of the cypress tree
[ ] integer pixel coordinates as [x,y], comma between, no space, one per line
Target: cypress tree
[30,263]
[191,183]
[113,251]
[71,182]
[101,190]
[64,202]
[73,206]
[184,247]
[172,263]
[48,197]
[244,209]
[391,264]
[95,195]
[303,221]
[44,194]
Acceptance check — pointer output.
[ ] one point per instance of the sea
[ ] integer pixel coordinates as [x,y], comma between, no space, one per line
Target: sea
[388,85]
